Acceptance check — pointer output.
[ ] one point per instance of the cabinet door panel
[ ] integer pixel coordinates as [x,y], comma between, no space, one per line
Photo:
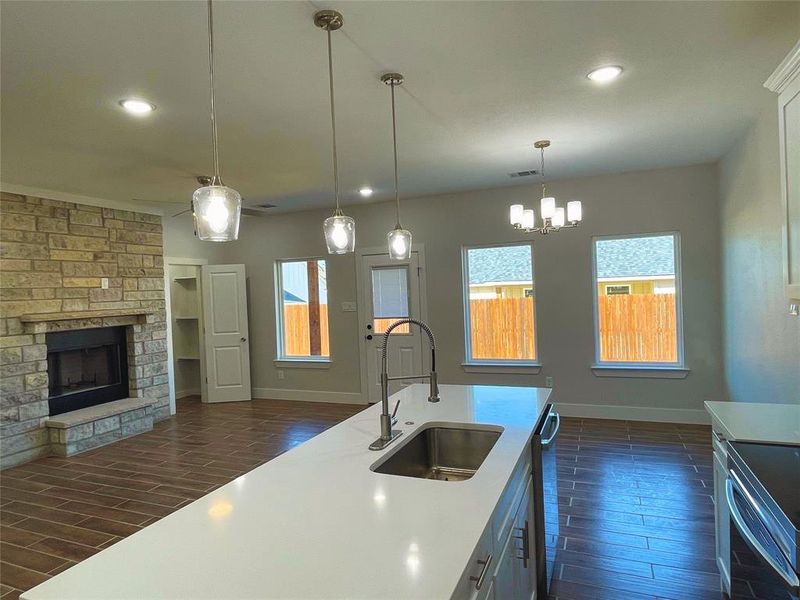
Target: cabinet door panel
[722,521]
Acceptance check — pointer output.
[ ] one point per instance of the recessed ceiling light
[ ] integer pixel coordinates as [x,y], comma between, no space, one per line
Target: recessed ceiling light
[136,106]
[366,191]
[605,74]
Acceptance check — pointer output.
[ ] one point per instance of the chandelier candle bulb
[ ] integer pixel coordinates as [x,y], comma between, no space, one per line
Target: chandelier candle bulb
[528,219]
[516,212]
[574,211]
[558,217]
[548,207]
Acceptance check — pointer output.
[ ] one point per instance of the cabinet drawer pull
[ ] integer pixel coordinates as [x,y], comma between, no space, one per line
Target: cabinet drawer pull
[479,579]
[526,549]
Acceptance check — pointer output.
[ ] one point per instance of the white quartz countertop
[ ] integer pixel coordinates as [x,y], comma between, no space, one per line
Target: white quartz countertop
[316,522]
[757,422]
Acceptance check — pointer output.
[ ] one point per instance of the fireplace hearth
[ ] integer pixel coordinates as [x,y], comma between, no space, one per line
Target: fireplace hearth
[86,367]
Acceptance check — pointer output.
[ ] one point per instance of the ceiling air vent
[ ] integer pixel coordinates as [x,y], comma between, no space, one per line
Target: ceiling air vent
[523,173]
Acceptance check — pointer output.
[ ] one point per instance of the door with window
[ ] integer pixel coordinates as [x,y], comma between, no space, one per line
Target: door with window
[390,290]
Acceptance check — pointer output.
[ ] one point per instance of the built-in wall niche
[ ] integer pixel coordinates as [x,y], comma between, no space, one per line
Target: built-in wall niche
[186,308]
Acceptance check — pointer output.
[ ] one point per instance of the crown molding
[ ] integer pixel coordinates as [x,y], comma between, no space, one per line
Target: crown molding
[25,190]
[786,71]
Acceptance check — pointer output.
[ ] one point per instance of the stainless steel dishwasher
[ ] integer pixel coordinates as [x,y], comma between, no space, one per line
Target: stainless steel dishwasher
[545,497]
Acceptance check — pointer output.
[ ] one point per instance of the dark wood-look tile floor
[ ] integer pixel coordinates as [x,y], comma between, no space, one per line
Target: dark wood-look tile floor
[635,498]
[55,512]
[636,512]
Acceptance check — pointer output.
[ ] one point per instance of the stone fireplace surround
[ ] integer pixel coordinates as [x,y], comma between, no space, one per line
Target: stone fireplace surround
[53,255]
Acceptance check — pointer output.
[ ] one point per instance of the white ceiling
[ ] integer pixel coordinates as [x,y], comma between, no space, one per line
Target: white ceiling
[483,81]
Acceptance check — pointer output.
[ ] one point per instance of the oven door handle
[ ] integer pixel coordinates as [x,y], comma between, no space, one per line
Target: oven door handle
[788,576]
[553,435]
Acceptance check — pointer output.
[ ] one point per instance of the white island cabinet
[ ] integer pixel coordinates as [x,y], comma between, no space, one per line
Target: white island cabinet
[319,522]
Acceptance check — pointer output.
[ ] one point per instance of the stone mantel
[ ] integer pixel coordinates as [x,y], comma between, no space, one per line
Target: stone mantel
[84,314]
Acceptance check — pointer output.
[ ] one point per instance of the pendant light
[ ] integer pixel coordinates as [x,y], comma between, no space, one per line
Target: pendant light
[339,229]
[216,208]
[399,239]
[554,218]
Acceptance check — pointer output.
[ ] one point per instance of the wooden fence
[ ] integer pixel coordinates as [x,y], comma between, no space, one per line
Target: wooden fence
[296,338]
[502,328]
[638,328]
[633,328]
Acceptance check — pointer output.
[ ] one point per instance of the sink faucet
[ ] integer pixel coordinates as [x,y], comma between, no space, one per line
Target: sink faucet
[388,435]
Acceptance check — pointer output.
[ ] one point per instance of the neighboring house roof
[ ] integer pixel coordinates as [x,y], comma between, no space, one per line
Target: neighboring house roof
[290,297]
[507,264]
[635,257]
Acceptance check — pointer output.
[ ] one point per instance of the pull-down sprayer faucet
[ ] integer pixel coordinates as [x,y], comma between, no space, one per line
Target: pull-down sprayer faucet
[388,435]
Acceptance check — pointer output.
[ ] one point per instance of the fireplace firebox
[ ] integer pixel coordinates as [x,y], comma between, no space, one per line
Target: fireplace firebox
[86,367]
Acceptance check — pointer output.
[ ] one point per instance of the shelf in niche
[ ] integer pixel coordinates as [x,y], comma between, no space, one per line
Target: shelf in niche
[186,278]
[187,357]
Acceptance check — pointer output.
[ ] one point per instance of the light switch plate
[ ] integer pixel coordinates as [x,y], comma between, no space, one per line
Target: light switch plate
[104,283]
[348,307]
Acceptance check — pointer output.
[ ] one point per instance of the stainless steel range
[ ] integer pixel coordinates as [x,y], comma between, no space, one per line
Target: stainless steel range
[763,496]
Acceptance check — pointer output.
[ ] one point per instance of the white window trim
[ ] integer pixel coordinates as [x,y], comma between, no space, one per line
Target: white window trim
[507,367]
[471,365]
[311,362]
[640,369]
[302,363]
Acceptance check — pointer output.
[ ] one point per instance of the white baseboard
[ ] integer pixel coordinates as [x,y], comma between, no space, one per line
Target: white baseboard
[634,413]
[183,393]
[307,395]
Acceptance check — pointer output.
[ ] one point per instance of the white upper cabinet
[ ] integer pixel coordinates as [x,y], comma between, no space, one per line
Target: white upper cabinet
[785,81]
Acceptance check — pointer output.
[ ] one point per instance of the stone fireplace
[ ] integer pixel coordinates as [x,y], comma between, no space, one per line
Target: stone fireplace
[81,287]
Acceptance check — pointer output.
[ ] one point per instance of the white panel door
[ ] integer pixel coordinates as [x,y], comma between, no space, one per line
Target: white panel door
[225,325]
[391,291]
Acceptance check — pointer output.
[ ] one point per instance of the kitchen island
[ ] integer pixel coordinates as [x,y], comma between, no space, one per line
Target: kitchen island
[318,522]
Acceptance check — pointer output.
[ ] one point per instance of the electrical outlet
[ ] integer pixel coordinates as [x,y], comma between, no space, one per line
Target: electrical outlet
[548,381]
[104,283]
[348,307]
[281,375]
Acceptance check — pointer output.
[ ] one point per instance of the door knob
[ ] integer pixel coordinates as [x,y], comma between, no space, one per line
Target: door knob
[368,337]
[244,339]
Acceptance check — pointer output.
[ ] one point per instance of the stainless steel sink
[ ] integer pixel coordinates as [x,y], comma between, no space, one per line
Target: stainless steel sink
[441,452]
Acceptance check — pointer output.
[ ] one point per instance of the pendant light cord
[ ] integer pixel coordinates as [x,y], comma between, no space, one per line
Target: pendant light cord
[333,123]
[544,189]
[211,79]
[394,143]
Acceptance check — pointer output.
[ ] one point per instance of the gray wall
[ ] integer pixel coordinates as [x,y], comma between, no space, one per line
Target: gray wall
[682,199]
[761,341]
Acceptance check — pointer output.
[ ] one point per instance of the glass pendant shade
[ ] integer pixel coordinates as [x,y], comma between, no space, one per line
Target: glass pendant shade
[548,207]
[515,214]
[558,217]
[340,234]
[399,243]
[574,211]
[217,210]
[528,219]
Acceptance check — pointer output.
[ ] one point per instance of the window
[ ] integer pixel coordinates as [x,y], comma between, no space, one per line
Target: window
[390,298]
[499,304]
[302,309]
[637,300]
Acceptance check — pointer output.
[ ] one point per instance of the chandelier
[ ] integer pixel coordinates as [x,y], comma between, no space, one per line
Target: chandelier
[554,217]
